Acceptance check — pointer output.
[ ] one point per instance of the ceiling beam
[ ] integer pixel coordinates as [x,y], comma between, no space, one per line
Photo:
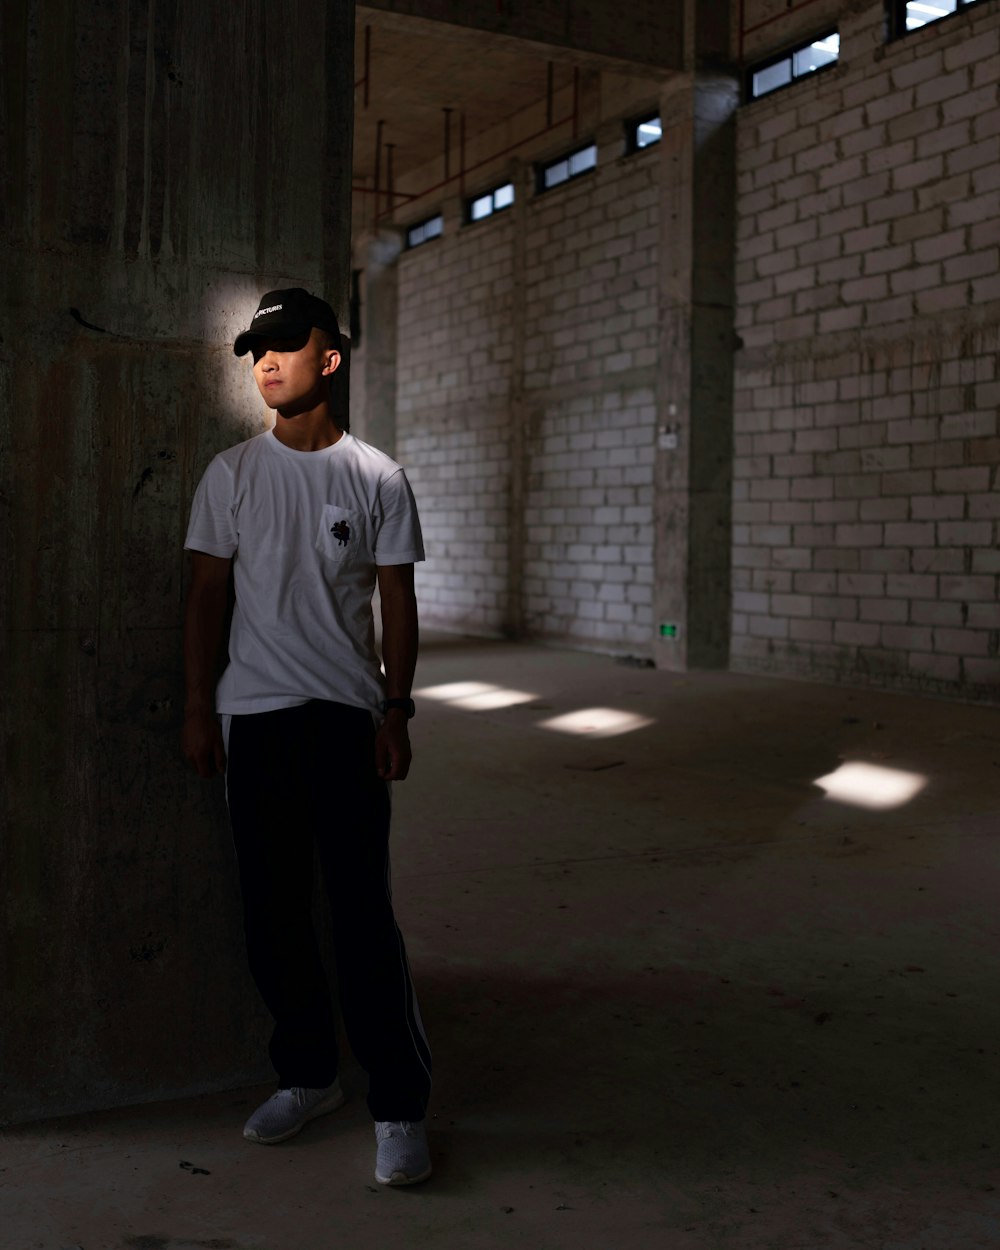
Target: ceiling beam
[645,34]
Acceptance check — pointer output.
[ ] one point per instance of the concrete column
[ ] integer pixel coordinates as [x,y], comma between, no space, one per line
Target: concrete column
[163,167]
[521,175]
[374,395]
[694,444]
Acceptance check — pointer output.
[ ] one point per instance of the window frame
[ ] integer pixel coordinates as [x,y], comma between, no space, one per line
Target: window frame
[425,221]
[542,167]
[632,132]
[788,54]
[492,193]
[897,17]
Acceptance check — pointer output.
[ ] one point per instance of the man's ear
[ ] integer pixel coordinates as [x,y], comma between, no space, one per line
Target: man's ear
[331,362]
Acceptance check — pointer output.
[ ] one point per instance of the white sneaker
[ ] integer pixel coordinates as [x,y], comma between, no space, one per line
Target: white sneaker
[403,1157]
[289,1110]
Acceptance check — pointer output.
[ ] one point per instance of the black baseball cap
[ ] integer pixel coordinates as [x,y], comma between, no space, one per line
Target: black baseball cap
[285,315]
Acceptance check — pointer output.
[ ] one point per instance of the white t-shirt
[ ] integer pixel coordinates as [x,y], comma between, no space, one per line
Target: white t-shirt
[306,530]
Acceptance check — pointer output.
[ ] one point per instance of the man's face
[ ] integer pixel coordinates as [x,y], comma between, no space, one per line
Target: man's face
[292,374]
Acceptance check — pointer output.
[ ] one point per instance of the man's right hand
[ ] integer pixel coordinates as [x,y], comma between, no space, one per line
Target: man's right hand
[201,743]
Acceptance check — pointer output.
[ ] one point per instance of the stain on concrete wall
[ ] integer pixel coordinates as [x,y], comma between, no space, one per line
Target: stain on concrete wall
[161,170]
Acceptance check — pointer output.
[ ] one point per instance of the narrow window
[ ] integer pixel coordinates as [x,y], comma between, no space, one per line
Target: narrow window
[642,132]
[798,62]
[491,202]
[424,231]
[912,14]
[566,167]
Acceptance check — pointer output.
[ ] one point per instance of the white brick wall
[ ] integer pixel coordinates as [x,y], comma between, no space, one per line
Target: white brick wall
[589,327]
[454,334]
[867,532]
[589,556]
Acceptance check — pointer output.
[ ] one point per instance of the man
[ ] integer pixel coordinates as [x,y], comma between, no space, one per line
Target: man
[308,732]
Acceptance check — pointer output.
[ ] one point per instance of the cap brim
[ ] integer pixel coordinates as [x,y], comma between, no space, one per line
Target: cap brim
[274,330]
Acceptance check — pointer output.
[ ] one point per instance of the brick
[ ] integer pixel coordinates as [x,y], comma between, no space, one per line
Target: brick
[931,612]
[942,299]
[974,478]
[969,587]
[867,535]
[937,560]
[836,511]
[984,507]
[868,188]
[965,533]
[973,210]
[910,534]
[918,173]
[884,259]
[971,103]
[864,289]
[864,584]
[811,631]
[857,633]
[938,667]
[974,156]
[834,558]
[940,247]
[961,641]
[834,320]
[938,507]
[982,672]
[968,425]
[914,430]
[867,239]
[834,608]
[861,141]
[986,289]
[767,627]
[839,221]
[918,225]
[920,70]
[946,191]
[918,279]
[977,48]
[907,637]
[884,509]
[893,611]
[943,87]
[943,138]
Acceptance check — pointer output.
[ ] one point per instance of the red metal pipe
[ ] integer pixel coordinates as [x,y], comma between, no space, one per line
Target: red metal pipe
[461,152]
[419,195]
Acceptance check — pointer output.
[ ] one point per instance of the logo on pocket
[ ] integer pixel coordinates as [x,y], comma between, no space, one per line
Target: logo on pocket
[342,531]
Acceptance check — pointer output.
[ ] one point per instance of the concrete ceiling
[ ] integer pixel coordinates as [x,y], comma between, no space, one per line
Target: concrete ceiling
[409,69]
[416,69]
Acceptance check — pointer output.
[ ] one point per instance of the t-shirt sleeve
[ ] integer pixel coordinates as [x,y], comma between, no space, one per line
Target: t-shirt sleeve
[212,527]
[397,534]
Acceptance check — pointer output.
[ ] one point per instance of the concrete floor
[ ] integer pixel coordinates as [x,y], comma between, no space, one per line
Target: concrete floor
[677,996]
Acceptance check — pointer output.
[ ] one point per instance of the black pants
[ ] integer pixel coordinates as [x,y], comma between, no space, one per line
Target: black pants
[300,778]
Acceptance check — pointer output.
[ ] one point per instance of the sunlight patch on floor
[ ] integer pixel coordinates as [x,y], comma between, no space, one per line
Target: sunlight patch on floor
[871,785]
[475,696]
[597,722]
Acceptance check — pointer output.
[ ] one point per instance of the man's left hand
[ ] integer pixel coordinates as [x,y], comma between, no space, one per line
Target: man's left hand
[392,747]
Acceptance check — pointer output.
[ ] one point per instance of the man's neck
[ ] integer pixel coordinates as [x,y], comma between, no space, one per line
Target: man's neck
[308,431]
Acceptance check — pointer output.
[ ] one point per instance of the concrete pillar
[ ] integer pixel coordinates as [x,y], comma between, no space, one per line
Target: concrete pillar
[163,166]
[374,380]
[518,458]
[694,443]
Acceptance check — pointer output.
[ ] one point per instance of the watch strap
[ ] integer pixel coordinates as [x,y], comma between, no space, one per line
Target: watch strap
[407,705]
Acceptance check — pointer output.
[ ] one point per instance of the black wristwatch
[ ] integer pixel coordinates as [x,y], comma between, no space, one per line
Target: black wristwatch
[408,706]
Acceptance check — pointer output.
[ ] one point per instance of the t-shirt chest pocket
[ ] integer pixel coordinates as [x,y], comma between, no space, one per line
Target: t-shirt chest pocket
[340,537]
